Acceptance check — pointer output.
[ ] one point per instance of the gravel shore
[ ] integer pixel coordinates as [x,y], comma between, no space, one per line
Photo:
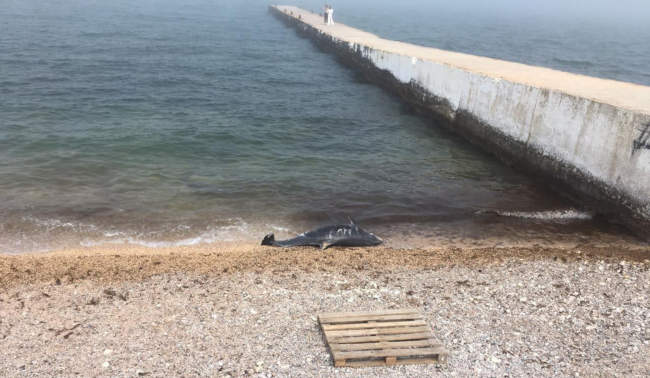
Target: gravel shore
[222,310]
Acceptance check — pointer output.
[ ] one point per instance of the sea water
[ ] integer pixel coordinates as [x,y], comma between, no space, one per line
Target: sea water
[173,123]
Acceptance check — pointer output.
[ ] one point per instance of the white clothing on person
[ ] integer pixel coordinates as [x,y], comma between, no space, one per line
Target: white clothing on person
[330,20]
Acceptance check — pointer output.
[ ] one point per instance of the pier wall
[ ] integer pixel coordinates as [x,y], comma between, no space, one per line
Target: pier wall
[595,152]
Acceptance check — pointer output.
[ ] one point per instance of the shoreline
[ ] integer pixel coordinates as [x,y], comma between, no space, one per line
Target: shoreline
[114,263]
[485,230]
[244,309]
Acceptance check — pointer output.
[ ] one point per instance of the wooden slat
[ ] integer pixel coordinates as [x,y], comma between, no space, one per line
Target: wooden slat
[334,315]
[377,338]
[382,345]
[406,323]
[360,313]
[375,331]
[401,361]
[388,353]
[352,319]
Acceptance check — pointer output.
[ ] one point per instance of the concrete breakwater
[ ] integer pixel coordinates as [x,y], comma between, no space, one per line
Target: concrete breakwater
[588,137]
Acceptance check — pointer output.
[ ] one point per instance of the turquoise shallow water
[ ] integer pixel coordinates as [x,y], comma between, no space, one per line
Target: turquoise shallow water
[158,122]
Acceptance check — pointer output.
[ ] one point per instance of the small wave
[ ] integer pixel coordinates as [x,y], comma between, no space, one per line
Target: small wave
[239,230]
[279,228]
[150,243]
[51,224]
[548,215]
[34,233]
[111,234]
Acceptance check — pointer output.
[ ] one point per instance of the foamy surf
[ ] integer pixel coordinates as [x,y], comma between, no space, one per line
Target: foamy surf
[547,215]
[238,231]
[43,234]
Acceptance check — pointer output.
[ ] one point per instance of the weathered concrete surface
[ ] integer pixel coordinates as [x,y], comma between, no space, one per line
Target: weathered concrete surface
[590,137]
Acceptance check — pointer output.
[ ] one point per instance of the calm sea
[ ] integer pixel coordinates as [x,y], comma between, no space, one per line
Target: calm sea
[178,122]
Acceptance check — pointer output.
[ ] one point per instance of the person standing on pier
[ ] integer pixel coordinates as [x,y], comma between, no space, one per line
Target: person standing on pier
[330,12]
[325,15]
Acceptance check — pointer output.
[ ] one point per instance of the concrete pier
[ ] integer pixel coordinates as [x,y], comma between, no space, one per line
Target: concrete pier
[589,137]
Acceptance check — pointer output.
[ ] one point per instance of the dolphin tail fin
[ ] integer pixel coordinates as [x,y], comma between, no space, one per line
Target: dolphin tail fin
[269,239]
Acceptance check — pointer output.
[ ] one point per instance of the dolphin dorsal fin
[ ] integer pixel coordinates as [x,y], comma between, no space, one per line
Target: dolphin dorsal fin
[352,222]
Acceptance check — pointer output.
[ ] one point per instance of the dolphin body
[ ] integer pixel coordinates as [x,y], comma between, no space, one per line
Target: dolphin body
[348,235]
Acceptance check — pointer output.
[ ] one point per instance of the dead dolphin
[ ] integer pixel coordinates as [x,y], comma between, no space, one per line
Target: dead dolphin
[348,235]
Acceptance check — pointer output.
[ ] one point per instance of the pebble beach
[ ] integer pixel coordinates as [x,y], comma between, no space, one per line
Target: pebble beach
[247,310]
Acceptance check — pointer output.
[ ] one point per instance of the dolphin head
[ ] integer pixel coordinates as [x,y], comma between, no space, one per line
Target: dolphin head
[368,238]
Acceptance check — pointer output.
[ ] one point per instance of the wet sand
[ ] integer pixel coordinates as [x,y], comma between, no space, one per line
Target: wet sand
[233,309]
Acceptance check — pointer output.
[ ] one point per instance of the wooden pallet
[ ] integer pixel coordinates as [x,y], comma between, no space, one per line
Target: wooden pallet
[380,338]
